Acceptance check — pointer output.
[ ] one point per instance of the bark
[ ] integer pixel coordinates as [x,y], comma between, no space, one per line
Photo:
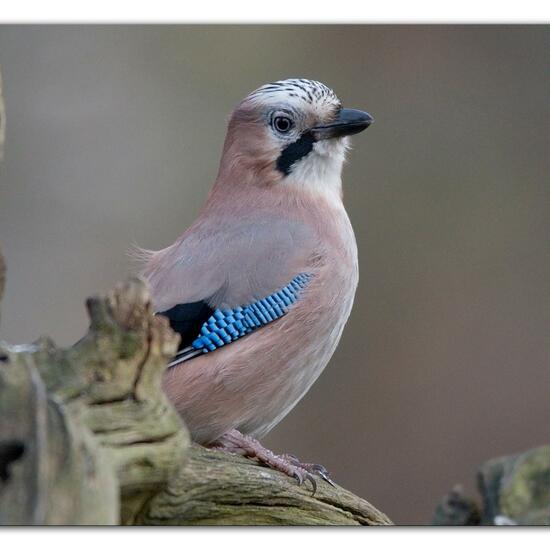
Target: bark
[87,436]
[214,488]
[87,428]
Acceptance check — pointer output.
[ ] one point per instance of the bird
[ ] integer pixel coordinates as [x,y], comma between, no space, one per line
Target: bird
[262,283]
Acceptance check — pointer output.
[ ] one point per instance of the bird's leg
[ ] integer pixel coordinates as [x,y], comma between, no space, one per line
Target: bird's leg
[237,443]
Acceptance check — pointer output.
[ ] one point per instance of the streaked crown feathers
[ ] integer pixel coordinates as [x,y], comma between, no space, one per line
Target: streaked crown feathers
[296,90]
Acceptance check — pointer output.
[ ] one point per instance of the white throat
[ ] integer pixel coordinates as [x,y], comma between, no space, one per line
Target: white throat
[321,170]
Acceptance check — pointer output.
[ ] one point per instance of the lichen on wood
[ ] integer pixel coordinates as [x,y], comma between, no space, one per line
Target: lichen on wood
[91,418]
[515,490]
[215,488]
[87,436]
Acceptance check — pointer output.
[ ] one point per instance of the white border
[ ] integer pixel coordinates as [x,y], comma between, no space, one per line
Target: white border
[277,11]
[140,538]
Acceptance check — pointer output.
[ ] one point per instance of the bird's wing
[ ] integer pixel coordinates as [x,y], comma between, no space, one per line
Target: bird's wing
[226,265]
[227,325]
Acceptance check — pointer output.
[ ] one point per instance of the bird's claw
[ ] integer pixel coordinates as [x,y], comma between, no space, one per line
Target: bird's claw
[317,469]
[322,472]
[302,475]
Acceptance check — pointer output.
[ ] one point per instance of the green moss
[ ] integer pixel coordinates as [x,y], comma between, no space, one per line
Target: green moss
[526,489]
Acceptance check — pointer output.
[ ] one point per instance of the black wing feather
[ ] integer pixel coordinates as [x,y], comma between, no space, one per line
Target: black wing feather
[187,320]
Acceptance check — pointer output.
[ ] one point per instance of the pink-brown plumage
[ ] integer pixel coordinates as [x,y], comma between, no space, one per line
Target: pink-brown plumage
[258,229]
[253,383]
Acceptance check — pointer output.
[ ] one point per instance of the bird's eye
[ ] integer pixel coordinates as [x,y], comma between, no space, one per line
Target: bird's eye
[282,124]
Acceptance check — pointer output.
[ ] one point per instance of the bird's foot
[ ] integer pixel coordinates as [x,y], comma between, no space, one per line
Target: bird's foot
[317,469]
[237,443]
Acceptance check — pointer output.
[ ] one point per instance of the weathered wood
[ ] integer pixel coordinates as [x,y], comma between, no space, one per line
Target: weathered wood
[52,471]
[125,353]
[80,425]
[215,488]
[87,431]
[457,509]
[515,490]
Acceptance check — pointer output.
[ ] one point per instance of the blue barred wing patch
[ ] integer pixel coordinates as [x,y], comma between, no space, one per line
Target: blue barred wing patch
[227,325]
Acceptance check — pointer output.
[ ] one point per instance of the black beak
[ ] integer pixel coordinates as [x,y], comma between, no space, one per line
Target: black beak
[348,122]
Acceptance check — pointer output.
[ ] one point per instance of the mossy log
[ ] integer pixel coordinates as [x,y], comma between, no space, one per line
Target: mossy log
[214,488]
[515,490]
[87,436]
[84,428]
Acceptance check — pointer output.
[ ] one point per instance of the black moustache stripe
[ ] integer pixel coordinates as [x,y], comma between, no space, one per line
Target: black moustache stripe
[294,152]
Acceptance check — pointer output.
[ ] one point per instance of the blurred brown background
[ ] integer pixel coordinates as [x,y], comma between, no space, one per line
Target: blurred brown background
[113,138]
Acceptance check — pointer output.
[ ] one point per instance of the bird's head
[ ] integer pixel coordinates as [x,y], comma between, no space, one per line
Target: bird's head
[290,133]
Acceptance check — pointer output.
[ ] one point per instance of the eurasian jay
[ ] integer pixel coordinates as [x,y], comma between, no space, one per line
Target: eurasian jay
[262,283]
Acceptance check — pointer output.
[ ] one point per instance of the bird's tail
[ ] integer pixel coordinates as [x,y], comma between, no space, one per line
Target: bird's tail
[184,355]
